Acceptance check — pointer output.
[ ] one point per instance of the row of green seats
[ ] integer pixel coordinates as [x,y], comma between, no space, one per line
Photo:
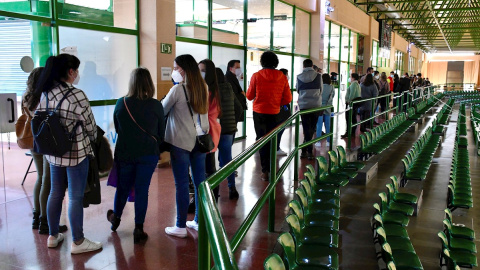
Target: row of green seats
[381,137]
[475,121]
[460,184]
[418,160]
[444,114]
[314,222]
[389,227]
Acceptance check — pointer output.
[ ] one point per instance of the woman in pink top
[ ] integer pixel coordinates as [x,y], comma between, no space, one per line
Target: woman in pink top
[207,69]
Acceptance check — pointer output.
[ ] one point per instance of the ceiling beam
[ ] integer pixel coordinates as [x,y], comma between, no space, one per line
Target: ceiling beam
[422,10]
[429,17]
[436,28]
[387,2]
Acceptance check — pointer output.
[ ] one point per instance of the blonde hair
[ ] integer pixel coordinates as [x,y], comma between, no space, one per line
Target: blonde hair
[196,86]
[141,84]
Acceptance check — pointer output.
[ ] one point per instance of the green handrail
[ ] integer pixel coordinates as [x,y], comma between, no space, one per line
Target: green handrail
[211,230]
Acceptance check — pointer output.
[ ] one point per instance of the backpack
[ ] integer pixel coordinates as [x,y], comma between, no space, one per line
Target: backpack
[23,130]
[49,135]
[383,88]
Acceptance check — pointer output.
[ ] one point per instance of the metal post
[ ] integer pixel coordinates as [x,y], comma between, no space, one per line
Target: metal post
[297,142]
[273,177]
[349,126]
[204,261]
[388,108]
[372,114]
[331,128]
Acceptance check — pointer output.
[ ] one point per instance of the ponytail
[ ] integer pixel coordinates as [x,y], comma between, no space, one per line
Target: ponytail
[56,72]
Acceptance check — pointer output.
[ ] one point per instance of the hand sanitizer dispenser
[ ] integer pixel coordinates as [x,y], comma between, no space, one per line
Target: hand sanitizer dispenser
[8,112]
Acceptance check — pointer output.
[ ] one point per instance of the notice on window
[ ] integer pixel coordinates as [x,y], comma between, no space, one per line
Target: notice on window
[166,73]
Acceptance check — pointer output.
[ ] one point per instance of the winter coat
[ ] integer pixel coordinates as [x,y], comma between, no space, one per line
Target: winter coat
[309,88]
[227,119]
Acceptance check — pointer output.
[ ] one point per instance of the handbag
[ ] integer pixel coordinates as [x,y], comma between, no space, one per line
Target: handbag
[23,130]
[204,143]
[113,181]
[49,135]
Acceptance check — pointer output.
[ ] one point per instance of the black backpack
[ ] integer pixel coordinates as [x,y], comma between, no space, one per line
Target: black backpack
[49,135]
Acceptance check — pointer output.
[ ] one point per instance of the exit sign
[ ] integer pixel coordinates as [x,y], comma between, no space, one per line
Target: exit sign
[166,48]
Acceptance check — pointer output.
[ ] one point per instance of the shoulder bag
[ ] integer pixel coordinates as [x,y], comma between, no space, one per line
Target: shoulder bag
[204,143]
[23,129]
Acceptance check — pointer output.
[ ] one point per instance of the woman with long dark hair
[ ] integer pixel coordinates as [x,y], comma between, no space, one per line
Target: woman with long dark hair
[181,131]
[369,90]
[71,169]
[140,125]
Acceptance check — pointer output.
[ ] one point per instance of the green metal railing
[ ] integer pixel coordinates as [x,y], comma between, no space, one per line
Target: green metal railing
[405,99]
[212,238]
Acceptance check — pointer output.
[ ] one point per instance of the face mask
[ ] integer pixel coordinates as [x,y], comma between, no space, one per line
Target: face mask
[177,77]
[376,77]
[288,78]
[391,76]
[77,79]
[238,72]
[203,74]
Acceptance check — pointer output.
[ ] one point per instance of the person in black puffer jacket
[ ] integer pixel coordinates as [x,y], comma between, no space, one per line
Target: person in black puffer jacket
[229,127]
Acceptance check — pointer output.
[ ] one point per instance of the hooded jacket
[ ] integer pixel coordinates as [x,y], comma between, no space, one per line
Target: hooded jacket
[309,88]
[269,90]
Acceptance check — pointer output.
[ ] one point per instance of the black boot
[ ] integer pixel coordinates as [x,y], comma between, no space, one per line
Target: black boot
[233,193]
[191,205]
[36,220]
[44,229]
[113,219]
[139,234]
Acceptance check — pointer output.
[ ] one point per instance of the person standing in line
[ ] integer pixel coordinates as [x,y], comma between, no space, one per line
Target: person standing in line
[140,124]
[269,90]
[369,90]
[181,132]
[328,93]
[354,92]
[369,71]
[384,89]
[207,70]
[283,115]
[404,88]
[42,185]
[396,89]
[234,71]
[309,88]
[390,80]
[72,168]
[229,127]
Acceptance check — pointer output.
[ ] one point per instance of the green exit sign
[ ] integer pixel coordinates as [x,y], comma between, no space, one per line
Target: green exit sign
[166,48]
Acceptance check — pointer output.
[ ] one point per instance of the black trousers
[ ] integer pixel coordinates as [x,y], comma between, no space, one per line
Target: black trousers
[365,115]
[210,168]
[264,123]
[309,124]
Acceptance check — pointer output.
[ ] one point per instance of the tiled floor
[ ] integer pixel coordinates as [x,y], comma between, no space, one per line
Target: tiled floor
[23,248]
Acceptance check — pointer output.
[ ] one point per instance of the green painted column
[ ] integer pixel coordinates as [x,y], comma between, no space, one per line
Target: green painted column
[41,36]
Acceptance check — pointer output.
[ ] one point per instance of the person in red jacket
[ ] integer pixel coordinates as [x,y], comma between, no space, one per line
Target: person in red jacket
[269,90]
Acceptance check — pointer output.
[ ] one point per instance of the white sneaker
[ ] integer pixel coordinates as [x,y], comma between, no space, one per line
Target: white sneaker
[175,231]
[192,225]
[86,246]
[318,144]
[53,241]
[281,153]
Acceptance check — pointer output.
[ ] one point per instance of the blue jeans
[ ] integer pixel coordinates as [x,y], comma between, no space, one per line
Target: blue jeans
[137,172]
[225,155]
[321,119]
[181,161]
[76,179]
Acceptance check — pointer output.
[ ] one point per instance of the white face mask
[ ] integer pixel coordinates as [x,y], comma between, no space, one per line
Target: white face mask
[377,77]
[238,72]
[77,80]
[203,74]
[177,77]
[288,78]
[391,76]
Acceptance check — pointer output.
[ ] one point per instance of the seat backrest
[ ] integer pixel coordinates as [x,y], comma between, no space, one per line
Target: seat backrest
[447,224]
[302,196]
[448,214]
[394,180]
[391,193]
[363,141]
[387,253]
[311,170]
[322,167]
[288,245]
[273,262]
[296,208]
[443,239]
[382,234]
[333,166]
[377,208]
[406,165]
[294,224]
[342,156]
[306,186]
[310,179]
[384,199]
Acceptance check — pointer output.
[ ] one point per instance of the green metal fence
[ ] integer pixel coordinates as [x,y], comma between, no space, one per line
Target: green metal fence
[212,238]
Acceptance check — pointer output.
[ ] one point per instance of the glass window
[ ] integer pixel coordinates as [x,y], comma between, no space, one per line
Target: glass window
[374,59]
[103,118]
[334,42]
[117,13]
[31,7]
[221,56]
[20,38]
[326,45]
[227,22]
[285,61]
[258,24]
[353,47]
[107,59]
[302,32]
[282,27]
[191,17]
[345,45]
[198,51]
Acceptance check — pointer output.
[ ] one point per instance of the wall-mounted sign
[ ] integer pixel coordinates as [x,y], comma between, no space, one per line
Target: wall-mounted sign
[166,48]
[166,73]
[385,35]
